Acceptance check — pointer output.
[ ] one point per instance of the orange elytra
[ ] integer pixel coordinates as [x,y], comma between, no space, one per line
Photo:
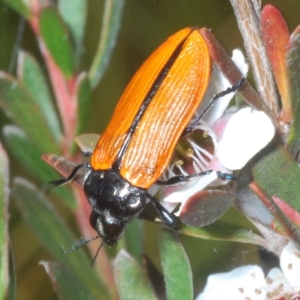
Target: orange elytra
[139,141]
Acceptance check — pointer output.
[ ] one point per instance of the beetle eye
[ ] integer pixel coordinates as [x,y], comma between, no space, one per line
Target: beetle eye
[107,227]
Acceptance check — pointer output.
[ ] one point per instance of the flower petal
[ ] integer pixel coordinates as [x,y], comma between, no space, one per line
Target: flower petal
[290,264]
[247,132]
[219,83]
[184,192]
[239,284]
[277,285]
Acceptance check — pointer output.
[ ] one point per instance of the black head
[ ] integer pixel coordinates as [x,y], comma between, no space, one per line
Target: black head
[114,201]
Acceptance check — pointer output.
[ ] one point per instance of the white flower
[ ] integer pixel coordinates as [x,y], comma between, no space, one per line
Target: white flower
[249,282]
[236,134]
[247,132]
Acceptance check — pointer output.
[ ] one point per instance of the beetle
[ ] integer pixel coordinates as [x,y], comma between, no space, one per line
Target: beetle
[136,147]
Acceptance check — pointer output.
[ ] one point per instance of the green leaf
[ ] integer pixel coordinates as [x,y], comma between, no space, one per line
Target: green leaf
[221,231]
[18,104]
[134,239]
[110,28]
[87,142]
[83,92]
[19,6]
[12,285]
[293,61]
[16,141]
[74,14]
[52,231]
[30,73]
[176,266]
[276,172]
[57,40]
[4,239]
[65,283]
[131,279]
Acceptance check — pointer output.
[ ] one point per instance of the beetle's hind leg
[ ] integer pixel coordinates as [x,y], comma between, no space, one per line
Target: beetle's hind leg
[181,178]
[231,89]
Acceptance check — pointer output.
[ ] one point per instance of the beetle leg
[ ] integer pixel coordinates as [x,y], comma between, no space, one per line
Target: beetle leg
[180,178]
[70,178]
[165,216]
[231,89]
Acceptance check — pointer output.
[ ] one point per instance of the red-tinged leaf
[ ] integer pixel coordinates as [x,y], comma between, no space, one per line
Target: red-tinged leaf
[176,266]
[275,34]
[65,167]
[131,279]
[293,62]
[4,238]
[206,207]
[290,229]
[56,38]
[247,13]
[87,142]
[66,284]
[291,213]
[231,71]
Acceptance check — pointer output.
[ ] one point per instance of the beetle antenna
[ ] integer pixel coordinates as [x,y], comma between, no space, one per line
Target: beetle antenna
[78,244]
[94,259]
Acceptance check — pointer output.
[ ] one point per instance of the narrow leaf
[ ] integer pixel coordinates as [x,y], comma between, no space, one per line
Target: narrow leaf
[52,231]
[30,73]
[221,231]
[66,284]
[57,40]
[12,285]
[134,239]
[110,28]
[132,282]
[176,267]
[83,92]
[4,238]
[275,34]
[293,62]
[276,172]
[19,6]
[16,141]
[247,15]
[74,14]
[18,104]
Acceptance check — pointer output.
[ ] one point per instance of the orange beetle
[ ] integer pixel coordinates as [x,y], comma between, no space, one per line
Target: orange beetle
[138,143]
